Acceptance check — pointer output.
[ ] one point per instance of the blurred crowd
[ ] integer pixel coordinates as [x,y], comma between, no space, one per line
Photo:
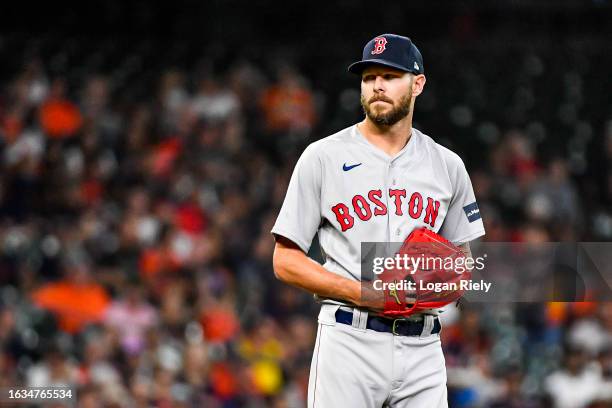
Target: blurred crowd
[135,253]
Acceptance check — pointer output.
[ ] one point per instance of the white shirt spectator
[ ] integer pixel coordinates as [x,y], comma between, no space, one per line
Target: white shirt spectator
[578,390]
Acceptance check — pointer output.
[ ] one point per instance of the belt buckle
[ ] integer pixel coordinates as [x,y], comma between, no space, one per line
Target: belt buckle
[395,324]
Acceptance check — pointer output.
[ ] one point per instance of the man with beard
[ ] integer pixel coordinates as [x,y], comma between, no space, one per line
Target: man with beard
[375,181]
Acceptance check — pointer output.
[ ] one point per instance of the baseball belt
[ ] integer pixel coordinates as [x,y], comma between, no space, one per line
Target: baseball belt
[399,327]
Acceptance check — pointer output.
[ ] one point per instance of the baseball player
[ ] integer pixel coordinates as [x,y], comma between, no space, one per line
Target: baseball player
[377,180]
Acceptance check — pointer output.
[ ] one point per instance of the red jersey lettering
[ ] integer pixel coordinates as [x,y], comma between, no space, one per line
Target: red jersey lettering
[345,220]
[398,195]
[375,196]
[362,208]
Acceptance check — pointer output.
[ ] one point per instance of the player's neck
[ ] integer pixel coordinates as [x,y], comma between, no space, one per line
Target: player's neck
[389,139]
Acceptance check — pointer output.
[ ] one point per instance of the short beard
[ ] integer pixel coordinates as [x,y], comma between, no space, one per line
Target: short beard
[392,117]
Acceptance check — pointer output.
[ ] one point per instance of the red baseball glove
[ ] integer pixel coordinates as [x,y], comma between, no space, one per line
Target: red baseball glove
[435,266]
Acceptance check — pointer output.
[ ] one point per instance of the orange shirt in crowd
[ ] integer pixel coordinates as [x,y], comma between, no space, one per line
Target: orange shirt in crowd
[220,324]
[75,305]
[60,118]
[287,108]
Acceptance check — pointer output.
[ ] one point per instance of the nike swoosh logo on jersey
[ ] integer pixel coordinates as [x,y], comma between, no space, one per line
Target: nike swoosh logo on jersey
[347,168]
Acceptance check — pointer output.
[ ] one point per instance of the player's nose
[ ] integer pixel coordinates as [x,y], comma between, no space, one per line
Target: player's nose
[379,83]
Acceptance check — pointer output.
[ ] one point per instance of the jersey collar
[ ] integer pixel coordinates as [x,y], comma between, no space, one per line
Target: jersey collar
[407,152]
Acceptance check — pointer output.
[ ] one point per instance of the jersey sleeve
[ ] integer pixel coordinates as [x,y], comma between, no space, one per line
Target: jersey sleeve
[463,222]
[300,214]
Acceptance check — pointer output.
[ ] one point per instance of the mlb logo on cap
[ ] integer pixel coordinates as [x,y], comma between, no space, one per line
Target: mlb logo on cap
[390,50]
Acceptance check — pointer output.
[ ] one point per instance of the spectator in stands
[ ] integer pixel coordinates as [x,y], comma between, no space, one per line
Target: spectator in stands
[77,300]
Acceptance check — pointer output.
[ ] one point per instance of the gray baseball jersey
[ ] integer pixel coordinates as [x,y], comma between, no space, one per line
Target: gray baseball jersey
[349,191]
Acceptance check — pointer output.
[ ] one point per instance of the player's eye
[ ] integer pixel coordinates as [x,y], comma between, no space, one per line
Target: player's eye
[367,78]
[389,76]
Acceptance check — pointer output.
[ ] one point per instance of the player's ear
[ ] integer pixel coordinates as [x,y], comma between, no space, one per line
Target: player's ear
[418,83]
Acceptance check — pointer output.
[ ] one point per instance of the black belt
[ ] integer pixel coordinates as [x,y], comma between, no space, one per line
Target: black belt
[400,327]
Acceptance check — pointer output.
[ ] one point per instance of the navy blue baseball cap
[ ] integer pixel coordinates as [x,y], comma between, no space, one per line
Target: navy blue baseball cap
[390,50]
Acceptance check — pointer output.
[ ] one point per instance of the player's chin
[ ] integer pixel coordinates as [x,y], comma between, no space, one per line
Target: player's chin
[381,108]
[381,114]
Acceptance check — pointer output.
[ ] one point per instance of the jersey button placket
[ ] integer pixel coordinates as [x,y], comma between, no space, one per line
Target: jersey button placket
[391,177]
[397,233]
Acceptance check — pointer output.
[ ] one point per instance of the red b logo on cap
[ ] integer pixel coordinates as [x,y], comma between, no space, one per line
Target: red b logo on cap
[379,45]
